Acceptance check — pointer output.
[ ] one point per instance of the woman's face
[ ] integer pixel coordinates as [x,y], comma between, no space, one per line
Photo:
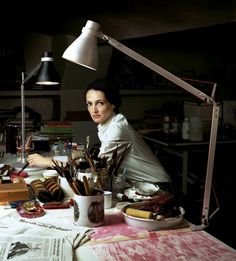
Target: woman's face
[99,107]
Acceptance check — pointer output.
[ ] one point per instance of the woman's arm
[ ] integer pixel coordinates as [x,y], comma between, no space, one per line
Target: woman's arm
[40,161]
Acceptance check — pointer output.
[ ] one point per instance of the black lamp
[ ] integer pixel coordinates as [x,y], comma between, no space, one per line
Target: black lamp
[45,73]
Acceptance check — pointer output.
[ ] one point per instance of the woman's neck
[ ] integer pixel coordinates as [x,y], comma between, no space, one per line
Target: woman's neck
[108,120]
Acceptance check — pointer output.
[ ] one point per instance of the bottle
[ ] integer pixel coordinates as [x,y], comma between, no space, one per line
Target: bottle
[185,129]
[166,125]
[118,185]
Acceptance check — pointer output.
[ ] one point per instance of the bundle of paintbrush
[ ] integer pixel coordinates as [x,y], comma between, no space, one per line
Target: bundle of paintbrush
[70,173]
[90,161]
[116,162]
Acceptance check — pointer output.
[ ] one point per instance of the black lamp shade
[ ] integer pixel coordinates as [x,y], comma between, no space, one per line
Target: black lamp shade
[47,73]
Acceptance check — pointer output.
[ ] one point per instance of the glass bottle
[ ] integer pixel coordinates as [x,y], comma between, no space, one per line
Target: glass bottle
[185,129]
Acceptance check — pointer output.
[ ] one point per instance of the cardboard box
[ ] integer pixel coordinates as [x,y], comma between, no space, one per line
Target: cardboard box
[14,192]
[229,113]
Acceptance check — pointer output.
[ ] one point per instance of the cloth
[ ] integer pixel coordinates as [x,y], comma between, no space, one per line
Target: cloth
[139,161]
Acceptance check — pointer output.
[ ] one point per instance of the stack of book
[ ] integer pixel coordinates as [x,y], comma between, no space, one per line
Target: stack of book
[57,127]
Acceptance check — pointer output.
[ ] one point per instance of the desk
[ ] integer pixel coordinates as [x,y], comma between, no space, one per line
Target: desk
[115,240]
[181,149]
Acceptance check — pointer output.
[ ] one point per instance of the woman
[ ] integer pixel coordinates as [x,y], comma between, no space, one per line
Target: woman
[103,103]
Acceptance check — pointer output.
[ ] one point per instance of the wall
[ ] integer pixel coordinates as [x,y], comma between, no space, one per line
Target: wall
[35,45]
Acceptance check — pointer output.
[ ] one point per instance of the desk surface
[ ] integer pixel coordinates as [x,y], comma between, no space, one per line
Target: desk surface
[115,240]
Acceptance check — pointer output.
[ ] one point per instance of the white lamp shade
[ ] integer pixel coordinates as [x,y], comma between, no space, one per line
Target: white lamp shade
[83,50]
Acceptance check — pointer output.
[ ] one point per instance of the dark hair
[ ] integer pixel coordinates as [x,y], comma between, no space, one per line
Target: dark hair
[111,92]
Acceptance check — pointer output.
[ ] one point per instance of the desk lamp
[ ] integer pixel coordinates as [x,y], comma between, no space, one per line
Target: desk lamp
[83,51]
[45,74]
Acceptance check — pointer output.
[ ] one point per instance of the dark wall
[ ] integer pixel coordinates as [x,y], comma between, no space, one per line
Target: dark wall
[205,54]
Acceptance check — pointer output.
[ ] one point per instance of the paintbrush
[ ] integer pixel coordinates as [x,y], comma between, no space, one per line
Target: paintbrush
[25,166]
[118,163]
[86,186]
[58,168]
[113,162]
[90,161]
[71,182]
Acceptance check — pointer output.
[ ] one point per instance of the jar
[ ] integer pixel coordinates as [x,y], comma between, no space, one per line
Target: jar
[97,181]
[166,125]
[118,185]
[51,173]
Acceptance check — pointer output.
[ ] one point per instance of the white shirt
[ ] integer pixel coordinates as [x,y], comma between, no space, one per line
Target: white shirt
[141,164]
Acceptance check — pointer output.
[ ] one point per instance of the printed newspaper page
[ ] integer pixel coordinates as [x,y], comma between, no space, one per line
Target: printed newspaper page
[40,239]
[22,247]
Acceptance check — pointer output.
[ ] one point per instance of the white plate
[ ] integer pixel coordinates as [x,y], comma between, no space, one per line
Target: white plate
[2,165]
[145,188]
[131,193]
[151,224]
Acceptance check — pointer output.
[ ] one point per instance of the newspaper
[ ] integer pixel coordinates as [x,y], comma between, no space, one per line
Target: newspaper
[35,248]
[31,239]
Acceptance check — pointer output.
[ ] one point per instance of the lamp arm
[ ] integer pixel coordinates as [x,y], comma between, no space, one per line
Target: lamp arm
[31,73]
[23,154]
[156,68]
[210,164]
[22,92]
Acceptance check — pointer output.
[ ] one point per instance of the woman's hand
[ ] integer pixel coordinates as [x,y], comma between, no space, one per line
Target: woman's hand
[40,161]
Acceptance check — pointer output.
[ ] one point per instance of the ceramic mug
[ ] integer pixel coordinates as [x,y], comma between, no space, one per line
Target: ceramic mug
[89,210]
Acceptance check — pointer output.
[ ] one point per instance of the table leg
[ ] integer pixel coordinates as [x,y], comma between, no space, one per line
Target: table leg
[185,172]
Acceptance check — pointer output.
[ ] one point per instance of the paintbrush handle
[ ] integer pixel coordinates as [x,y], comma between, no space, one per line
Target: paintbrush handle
[86,185]
[22,168]
[90,161]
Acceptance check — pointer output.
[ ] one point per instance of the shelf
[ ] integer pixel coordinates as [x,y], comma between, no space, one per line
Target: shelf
[30,93]
[133,92]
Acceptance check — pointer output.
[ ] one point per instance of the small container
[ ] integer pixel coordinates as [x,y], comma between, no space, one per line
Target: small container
[50,173]
[107,199]
[166,125]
